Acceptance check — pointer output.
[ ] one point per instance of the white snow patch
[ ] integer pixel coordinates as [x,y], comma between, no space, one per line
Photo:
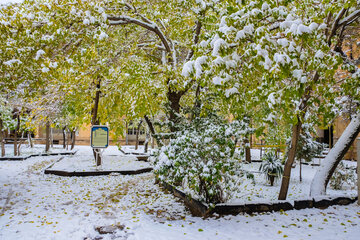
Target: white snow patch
[12,61]
[39,53]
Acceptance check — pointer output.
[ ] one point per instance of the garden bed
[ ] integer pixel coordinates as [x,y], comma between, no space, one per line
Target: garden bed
[258,196]
[201,209]
[85,166]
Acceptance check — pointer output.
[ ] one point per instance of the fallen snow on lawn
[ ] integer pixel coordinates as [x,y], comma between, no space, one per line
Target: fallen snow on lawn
[38,206]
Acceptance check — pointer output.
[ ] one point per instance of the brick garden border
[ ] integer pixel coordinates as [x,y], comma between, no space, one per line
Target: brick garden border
[21,158]
[200,209]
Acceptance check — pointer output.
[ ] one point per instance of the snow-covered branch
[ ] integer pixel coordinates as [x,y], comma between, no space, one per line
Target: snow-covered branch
[335,24]
[196,39]
[123,20]
[349,19]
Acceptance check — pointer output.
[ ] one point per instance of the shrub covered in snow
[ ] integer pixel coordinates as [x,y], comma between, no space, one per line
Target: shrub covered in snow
[201,159]
[343,175]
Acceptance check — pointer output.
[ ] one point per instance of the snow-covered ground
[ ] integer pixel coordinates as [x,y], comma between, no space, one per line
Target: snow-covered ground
[130,149]
[38,206]
[87,163]
[26,150]
[261,191]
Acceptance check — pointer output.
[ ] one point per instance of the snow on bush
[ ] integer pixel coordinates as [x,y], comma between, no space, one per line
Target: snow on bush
[343,176]
[200,159]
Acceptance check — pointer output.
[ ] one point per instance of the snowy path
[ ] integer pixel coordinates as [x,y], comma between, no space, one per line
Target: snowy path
[38,206]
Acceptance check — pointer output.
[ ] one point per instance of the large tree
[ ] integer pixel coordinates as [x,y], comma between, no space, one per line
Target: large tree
[278,58]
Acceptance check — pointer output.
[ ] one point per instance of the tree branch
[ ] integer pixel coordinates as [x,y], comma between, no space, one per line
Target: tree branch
[123,20]
[349,19]
[335,25]
[196,39]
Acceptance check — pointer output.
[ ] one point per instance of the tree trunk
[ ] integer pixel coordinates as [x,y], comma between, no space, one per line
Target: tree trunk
[16,135]
[300,173]
[20,142]
[271,179]
[64,137]
[127,134]
[73,139]
[31,143]
[174,104]
[290,160]
[15,144]
[95,120]
[2,138]
[333,158]
[51,138]
[95,109]
[146,144]
[152,131]
[47,137]
[137,135]
[68,142]
[247,150]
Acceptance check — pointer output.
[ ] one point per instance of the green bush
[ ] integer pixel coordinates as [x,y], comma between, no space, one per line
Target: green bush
[201,159]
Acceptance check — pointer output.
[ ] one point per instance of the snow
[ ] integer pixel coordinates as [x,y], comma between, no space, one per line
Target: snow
[87,163]
[26,150]
[198,65]
[102,35]
[313,26]
[302,29]
[12,61]
[281,58]
[298,73]
[231,91]
[319,54]
[45,69]
[187,68]
[218,80]
[39,53]
[263,192]
[240,35]
[38,206]
[217,44]
[130,149]
[318,183]
[283,42]
[86,21]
